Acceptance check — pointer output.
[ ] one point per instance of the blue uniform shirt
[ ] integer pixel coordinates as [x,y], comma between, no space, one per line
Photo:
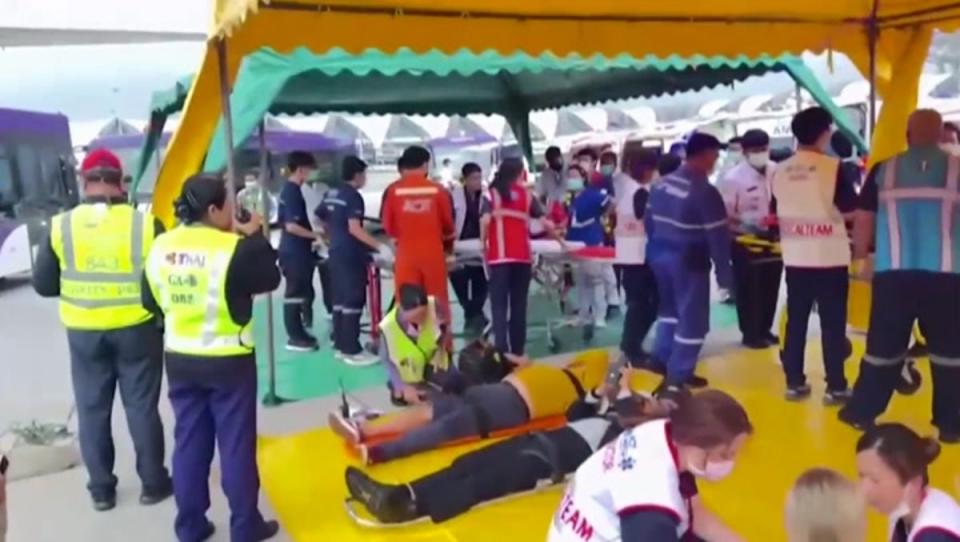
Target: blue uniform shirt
[340,204]
[293,209]
[686,215]
[586,214]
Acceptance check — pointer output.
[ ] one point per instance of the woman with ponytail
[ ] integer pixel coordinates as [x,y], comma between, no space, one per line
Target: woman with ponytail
[892,462]
[505,235]
[202,277]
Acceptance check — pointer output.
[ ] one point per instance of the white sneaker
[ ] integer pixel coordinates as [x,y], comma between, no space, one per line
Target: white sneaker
[359,360]
[600,324]
[344,427]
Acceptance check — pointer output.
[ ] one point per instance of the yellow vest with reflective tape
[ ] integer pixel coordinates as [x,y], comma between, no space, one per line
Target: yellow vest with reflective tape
[409,356]
[101,249]
[187,273]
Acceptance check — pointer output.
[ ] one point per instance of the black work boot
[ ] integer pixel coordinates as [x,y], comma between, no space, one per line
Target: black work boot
[388,503]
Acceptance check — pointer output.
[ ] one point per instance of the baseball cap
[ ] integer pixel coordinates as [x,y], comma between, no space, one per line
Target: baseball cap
[101,164]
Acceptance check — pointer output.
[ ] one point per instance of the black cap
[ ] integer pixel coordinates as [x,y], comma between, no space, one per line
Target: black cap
[755,139]
[411,296]
[699,143]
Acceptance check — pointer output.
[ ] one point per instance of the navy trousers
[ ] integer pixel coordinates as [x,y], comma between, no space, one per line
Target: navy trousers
[683,315]
[130,359]
[901,298]
[224,414]
[509,286]
[298,296]
[349,281]
[828,288]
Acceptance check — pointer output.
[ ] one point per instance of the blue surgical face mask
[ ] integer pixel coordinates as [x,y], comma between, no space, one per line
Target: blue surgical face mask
[574,184]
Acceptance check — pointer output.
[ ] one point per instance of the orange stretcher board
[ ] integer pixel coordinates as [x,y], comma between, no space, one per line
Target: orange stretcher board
[540,424]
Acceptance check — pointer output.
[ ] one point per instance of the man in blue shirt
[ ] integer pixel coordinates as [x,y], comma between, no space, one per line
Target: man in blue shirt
[587,211]
[296,252]
[687,222]
[342,213]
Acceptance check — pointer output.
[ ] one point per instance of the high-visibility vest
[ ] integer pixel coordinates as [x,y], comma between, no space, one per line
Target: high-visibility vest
[812,230]
[918,219]
[630,236]
[412,356]
[101,249]
[508,236]
[187,273]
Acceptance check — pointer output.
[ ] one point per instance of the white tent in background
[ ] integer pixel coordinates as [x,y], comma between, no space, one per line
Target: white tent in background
[644,116]
[712,108]
[434,126]
[312,123]
[495,125]
[59,22]
[595,117]
[752,104]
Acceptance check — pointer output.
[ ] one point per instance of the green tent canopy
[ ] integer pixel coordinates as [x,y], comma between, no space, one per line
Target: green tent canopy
[435,83]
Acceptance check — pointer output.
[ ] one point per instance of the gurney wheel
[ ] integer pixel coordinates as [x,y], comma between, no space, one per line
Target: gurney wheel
[910,379]
[554,345]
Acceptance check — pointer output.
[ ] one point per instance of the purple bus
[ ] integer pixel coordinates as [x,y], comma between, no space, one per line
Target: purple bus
[37,181]
[328,151]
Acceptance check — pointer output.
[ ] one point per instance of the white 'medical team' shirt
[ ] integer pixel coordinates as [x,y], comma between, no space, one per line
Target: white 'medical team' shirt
[638,471]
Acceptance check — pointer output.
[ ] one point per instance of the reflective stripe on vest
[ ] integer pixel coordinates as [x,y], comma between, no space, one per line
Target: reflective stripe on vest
[949,198]
[187,271]
[408,356]
[101,271]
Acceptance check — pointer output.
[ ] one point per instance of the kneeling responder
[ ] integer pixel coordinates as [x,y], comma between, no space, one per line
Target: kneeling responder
[202,277]
[411,348]
[93,260]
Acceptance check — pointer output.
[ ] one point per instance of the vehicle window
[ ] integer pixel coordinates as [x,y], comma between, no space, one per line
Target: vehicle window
[8,194]
[31,174]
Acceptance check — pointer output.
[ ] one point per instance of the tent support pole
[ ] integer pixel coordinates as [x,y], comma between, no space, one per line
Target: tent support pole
[873,34]
[798,96]
[271,398]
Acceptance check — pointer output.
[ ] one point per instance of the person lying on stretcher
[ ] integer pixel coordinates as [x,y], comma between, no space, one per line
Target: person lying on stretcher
[530,392]
[515,465]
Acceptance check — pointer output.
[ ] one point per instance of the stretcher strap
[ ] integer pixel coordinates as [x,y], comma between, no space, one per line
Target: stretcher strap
[581,393]
[350,505]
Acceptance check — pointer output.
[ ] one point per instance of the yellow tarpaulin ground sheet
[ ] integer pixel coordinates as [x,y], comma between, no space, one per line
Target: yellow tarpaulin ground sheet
[303,474]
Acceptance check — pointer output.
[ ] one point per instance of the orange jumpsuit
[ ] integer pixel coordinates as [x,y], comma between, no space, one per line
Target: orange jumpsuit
[418,215]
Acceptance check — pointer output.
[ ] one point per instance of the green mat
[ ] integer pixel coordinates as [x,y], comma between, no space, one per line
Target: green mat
[302,376]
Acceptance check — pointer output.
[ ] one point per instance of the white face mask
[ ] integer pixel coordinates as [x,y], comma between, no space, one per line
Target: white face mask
[759,160]
[714,471]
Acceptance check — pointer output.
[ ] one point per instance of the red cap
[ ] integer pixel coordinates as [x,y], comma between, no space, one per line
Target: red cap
[101,162]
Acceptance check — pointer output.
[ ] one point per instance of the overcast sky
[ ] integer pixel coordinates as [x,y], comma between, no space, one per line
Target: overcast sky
[96,82]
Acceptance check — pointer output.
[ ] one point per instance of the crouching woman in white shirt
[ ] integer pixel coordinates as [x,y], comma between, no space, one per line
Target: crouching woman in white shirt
[643,486]
[892,462]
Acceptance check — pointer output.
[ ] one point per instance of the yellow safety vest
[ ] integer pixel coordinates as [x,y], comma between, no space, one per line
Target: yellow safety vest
[411,357]
[187,273]
[101,249]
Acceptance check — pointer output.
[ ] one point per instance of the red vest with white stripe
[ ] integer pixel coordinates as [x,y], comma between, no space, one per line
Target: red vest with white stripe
[938,513]
[508,237]
[812,230]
